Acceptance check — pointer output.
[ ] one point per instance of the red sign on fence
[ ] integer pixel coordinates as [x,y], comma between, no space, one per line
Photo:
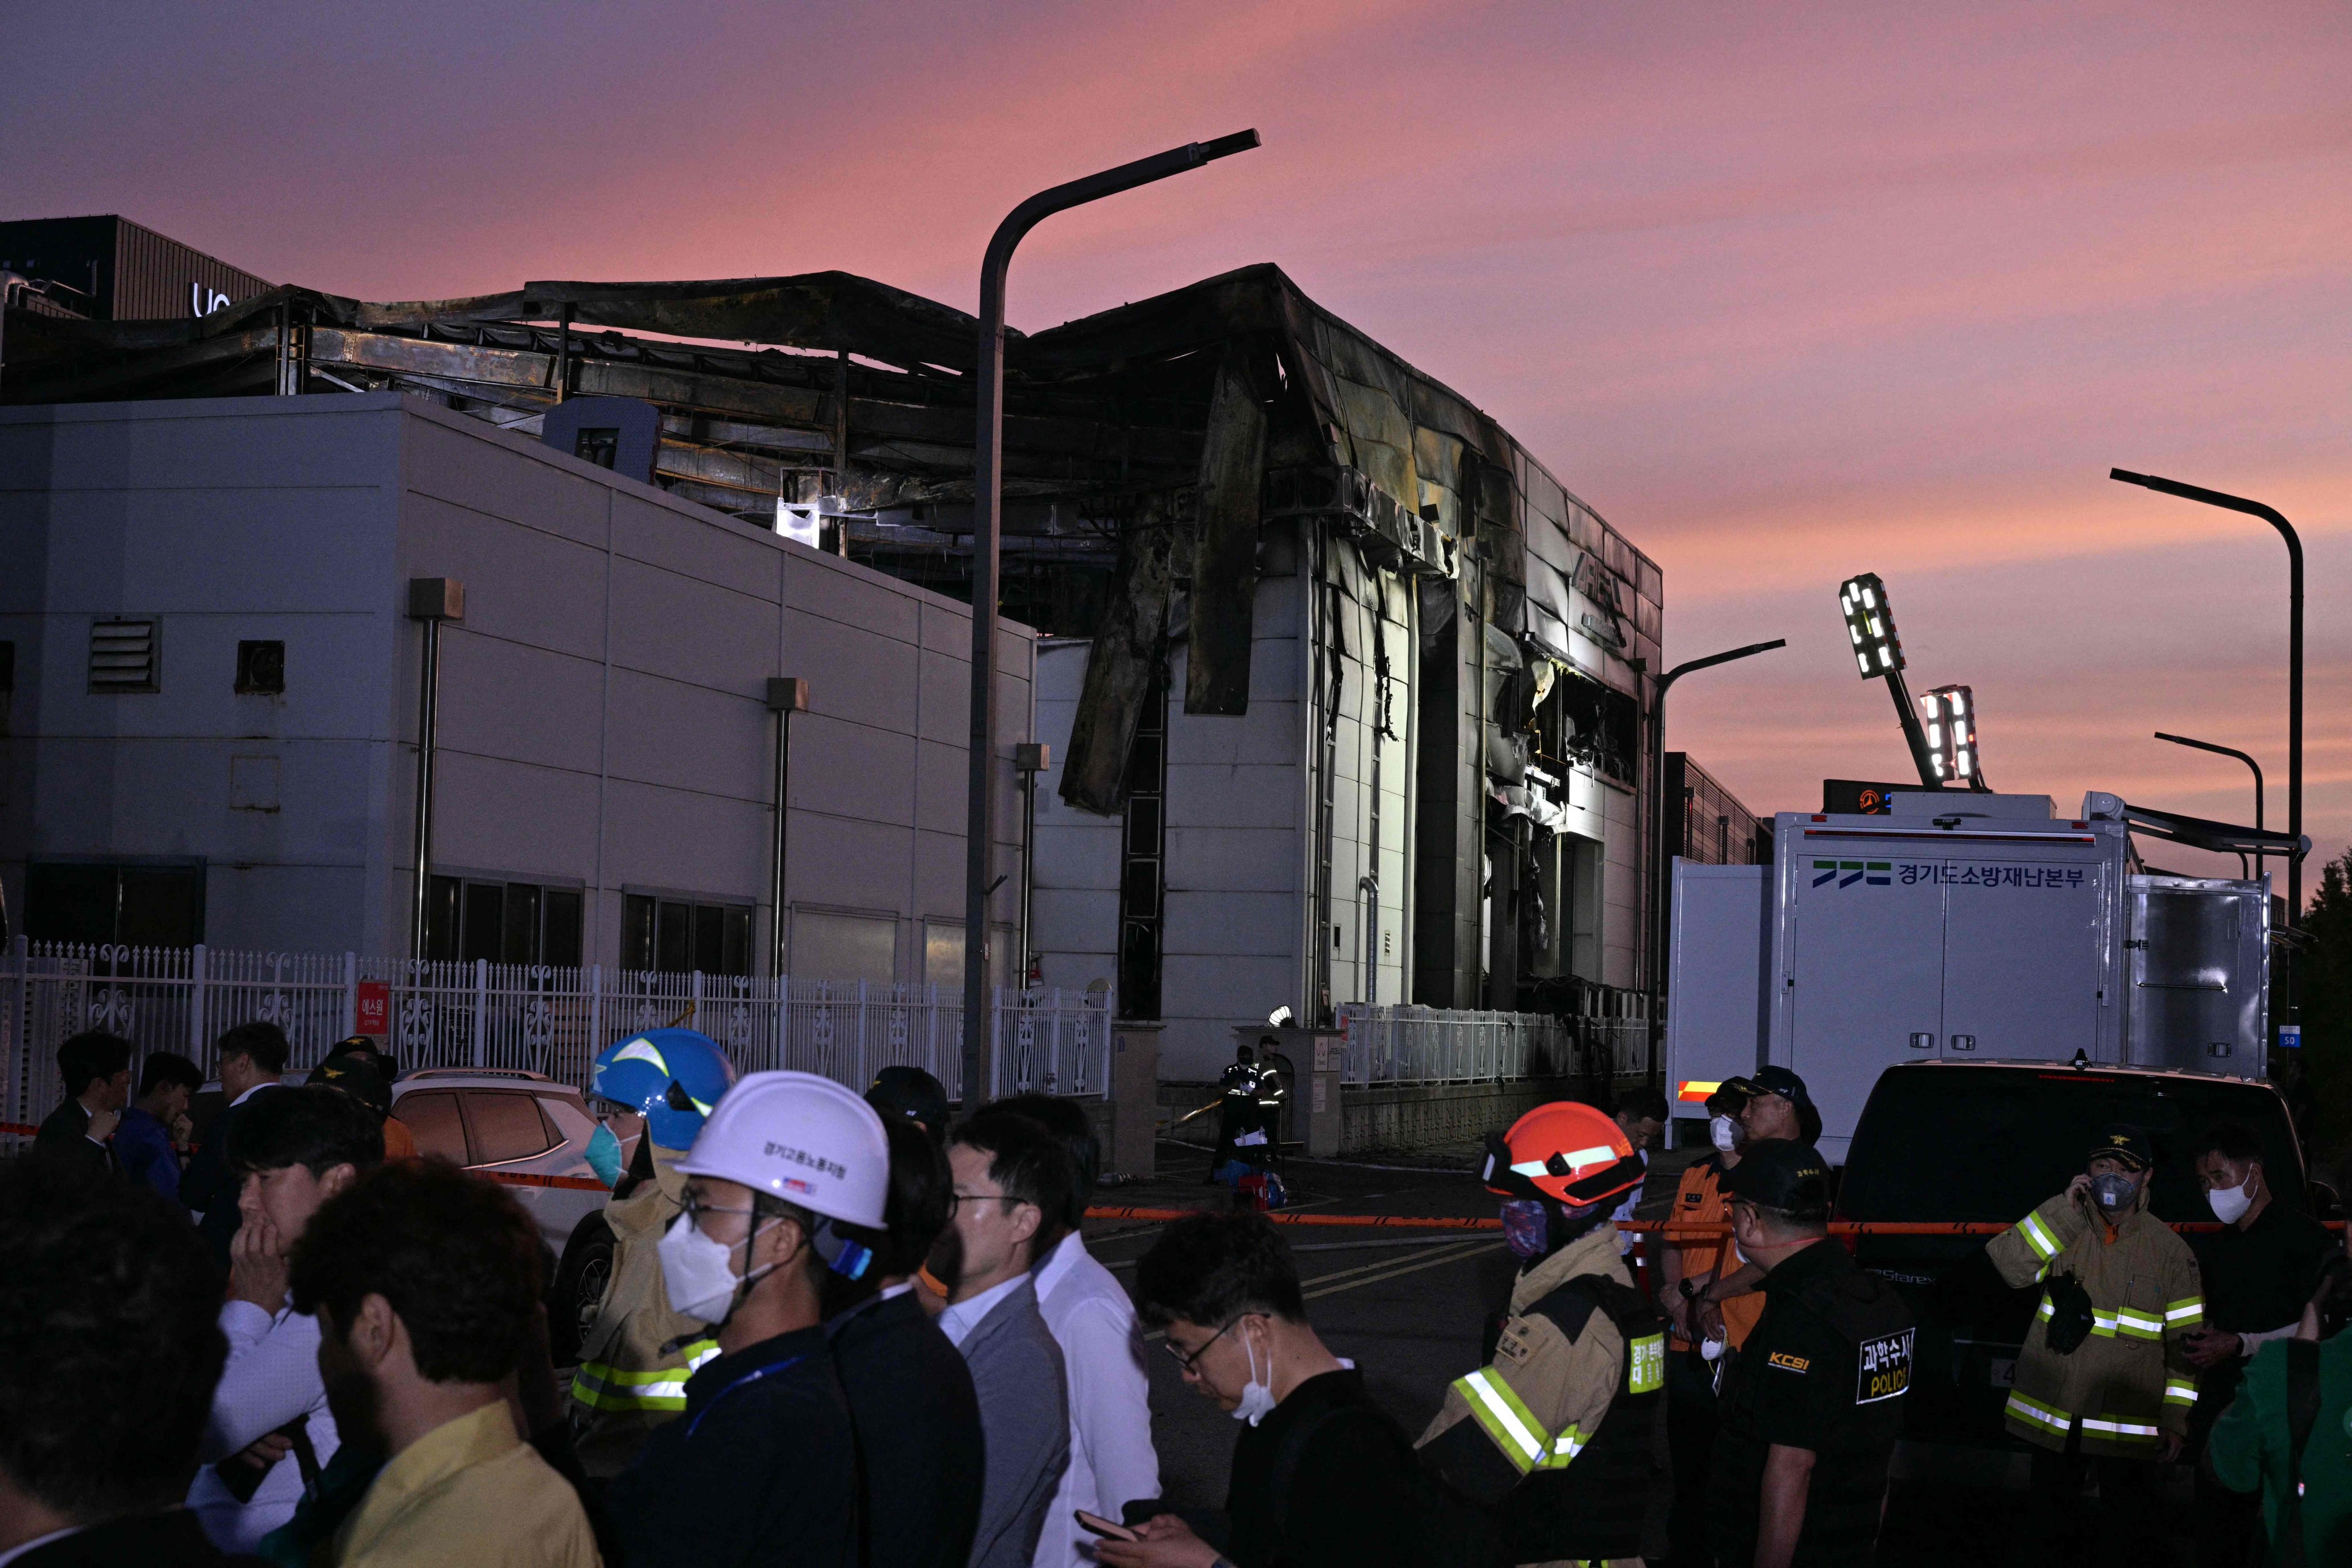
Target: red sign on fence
[375,1011]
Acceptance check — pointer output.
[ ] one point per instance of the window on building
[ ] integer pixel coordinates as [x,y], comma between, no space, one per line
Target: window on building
[502,922]
[1143,862]
[843,947]
[261,669]
[136,906]
[678,935]
[123,656]
[597,444]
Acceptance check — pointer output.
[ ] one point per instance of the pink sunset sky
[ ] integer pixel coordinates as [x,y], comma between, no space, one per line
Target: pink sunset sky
[1786,292]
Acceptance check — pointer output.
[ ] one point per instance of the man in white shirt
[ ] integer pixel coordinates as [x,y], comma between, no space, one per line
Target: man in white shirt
[1011,1174]
[1091,1318]
[295,1148]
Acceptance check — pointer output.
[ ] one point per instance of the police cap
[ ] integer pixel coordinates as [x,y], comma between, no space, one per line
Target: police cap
[1781,1174]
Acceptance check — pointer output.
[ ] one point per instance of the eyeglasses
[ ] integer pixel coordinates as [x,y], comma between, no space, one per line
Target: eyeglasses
[1189,1362]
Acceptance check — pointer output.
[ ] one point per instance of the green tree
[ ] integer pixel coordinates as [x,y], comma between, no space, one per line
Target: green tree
[2327,968]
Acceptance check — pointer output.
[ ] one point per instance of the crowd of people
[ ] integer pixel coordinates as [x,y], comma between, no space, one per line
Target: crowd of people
[854,1330]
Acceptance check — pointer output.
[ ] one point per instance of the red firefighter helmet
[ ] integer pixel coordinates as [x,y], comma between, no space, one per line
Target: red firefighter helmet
[1570,1152]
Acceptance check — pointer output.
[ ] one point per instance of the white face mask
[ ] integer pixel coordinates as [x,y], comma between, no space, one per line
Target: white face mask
[699,1273]
[1723,1132]
[2230,1204]
[1257,1399]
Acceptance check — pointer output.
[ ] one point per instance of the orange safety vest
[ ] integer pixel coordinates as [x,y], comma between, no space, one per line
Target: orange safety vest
[1699,1200]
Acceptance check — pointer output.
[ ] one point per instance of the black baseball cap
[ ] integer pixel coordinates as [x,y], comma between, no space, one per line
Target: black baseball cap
[2126,1142]
[1770,1081]
[1781,1174]
[912,1094]
[357,1077]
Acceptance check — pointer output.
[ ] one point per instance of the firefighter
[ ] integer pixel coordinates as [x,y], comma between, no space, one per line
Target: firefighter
[1551,1438]
[1813,1402]
[635,1361]
[2104,1380]
[1237,1109]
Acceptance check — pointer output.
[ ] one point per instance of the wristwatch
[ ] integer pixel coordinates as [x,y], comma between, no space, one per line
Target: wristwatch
[1690,1293]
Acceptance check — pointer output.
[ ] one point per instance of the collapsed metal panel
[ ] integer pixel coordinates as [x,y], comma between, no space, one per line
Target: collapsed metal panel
[1123,666]
[1224,552]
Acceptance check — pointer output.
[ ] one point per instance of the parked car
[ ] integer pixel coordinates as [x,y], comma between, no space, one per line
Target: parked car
[1988,1141]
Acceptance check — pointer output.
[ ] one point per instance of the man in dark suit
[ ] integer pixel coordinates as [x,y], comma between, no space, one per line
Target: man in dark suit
[1011,1177]
[251,1057]
[96,1067]
[910,1396]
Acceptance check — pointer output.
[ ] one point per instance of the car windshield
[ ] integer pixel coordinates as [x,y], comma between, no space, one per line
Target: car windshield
[1991,1143]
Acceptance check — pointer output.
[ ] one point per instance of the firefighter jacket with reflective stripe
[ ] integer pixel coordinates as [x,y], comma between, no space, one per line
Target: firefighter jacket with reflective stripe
[2129,1380]
[1552,1437]
[628,1384]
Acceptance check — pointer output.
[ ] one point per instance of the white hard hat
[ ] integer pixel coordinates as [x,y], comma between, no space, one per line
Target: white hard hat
[804,1139]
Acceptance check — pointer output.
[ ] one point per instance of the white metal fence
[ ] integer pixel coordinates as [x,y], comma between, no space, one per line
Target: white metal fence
[1434,1046]
[552,1021]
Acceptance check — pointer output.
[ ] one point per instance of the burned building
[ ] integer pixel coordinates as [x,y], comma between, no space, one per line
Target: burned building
[1344,690]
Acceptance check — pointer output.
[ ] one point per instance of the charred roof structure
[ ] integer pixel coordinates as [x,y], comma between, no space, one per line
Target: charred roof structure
[1156,457]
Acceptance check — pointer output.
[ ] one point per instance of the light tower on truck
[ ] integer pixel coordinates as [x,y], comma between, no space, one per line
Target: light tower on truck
[1878,651]
[1950,713]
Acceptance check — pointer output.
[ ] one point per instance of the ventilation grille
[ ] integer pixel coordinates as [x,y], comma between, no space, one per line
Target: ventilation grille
[123,655]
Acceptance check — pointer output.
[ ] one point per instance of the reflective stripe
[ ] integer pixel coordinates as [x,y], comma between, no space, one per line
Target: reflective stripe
[2119,1431]
[2047,1310]
[2035,1414]
[1515,1431]
[2180,1391]
[2190,1309]
[604,1387]
[2037,1236]
[1566,1446]
[2103,1324]
[2138,1325]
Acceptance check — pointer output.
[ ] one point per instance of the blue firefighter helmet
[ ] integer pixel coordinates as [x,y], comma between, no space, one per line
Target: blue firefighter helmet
[674,1076]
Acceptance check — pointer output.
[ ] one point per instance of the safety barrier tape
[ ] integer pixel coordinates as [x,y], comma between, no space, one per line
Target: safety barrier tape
[568,1184]
[18,1127]
[1668,1228]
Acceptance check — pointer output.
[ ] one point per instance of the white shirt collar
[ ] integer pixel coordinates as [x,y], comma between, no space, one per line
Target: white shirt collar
[959,1321]
[256,1089]
[1059,1262]
[890,1293]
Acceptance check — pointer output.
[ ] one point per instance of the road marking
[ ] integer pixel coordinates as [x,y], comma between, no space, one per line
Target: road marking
[1390,1272]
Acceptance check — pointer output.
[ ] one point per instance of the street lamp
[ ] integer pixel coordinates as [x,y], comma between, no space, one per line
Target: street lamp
[1663,862]
[1870,624]
[2230,752]
[2293,669]
[988,480]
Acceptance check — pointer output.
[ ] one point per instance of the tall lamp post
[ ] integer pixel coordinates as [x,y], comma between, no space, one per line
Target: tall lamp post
[1661,862]
[2293,681]
[988,478]
[2230,752]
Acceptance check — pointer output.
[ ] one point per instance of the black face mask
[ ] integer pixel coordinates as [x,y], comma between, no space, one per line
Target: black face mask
[946,1262]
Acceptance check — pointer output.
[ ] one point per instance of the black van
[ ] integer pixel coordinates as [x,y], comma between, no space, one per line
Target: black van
[1989,1142]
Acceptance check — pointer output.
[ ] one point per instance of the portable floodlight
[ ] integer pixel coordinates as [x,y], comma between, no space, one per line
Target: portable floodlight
[1870,624]
[1949,713]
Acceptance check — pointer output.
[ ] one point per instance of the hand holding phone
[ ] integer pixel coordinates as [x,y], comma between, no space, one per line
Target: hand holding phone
[1098,1525]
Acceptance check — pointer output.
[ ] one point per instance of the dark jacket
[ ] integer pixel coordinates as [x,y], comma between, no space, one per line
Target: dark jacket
[761,1468]
[170,1539]
[919,1447]
[1352,1495]
[64,1136]
[207,1186]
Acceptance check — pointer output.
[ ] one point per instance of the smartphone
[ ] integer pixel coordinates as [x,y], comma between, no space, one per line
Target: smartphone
[1101,1526]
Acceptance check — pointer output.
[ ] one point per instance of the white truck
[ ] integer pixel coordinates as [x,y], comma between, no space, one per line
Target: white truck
[1965,926]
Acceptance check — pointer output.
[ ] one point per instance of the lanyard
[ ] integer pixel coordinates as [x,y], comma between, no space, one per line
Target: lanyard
[745,1381]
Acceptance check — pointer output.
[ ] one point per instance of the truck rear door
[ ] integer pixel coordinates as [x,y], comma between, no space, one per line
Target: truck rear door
[2025,946]
[1863,970]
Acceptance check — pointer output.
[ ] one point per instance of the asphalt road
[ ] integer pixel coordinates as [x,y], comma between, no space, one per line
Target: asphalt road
[1408,1310]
